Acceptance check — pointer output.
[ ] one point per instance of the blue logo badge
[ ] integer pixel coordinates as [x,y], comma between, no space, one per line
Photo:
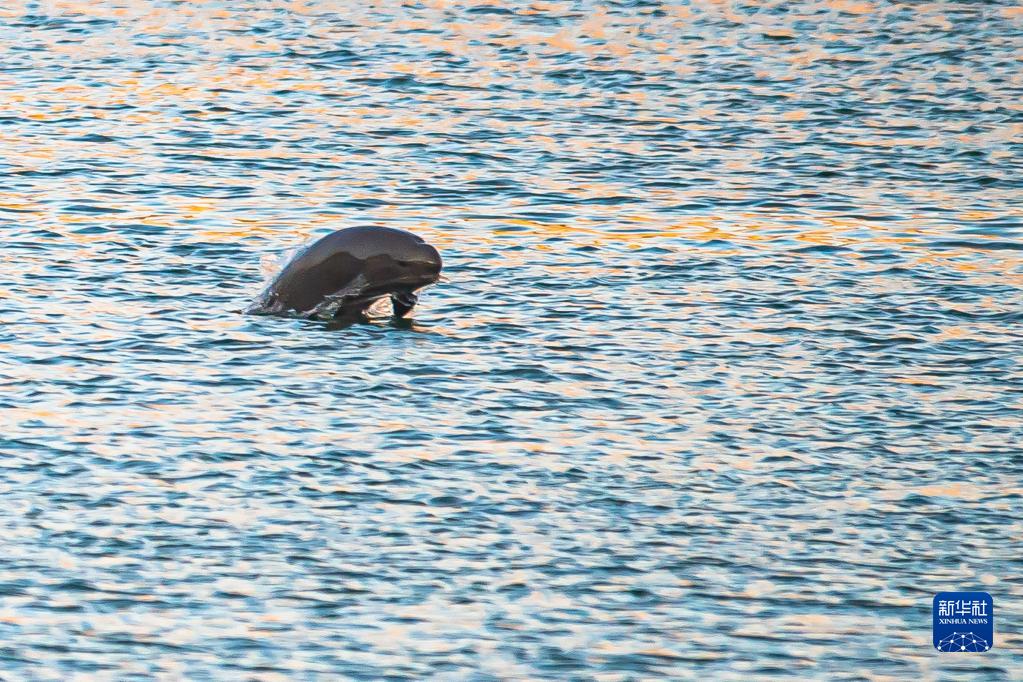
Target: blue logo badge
[963,621]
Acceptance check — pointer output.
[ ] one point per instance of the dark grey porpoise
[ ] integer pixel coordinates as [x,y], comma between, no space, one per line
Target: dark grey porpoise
[343,274]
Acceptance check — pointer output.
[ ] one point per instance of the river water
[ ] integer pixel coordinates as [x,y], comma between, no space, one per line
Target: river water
[724,381]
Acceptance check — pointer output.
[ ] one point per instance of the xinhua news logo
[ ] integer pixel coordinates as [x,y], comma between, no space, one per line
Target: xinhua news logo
[963,622]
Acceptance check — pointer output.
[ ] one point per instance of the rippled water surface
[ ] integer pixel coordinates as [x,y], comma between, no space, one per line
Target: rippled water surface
[724,382]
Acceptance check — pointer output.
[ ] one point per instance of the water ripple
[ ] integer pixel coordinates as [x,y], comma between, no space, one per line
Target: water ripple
[723,381]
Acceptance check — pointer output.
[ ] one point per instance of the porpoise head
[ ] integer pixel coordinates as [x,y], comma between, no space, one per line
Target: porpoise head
[344,273]
[397,263]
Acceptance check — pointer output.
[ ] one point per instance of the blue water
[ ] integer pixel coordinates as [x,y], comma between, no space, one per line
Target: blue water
[724,381]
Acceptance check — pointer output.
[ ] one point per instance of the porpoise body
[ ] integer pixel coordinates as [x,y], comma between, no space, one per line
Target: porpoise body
[341,275]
